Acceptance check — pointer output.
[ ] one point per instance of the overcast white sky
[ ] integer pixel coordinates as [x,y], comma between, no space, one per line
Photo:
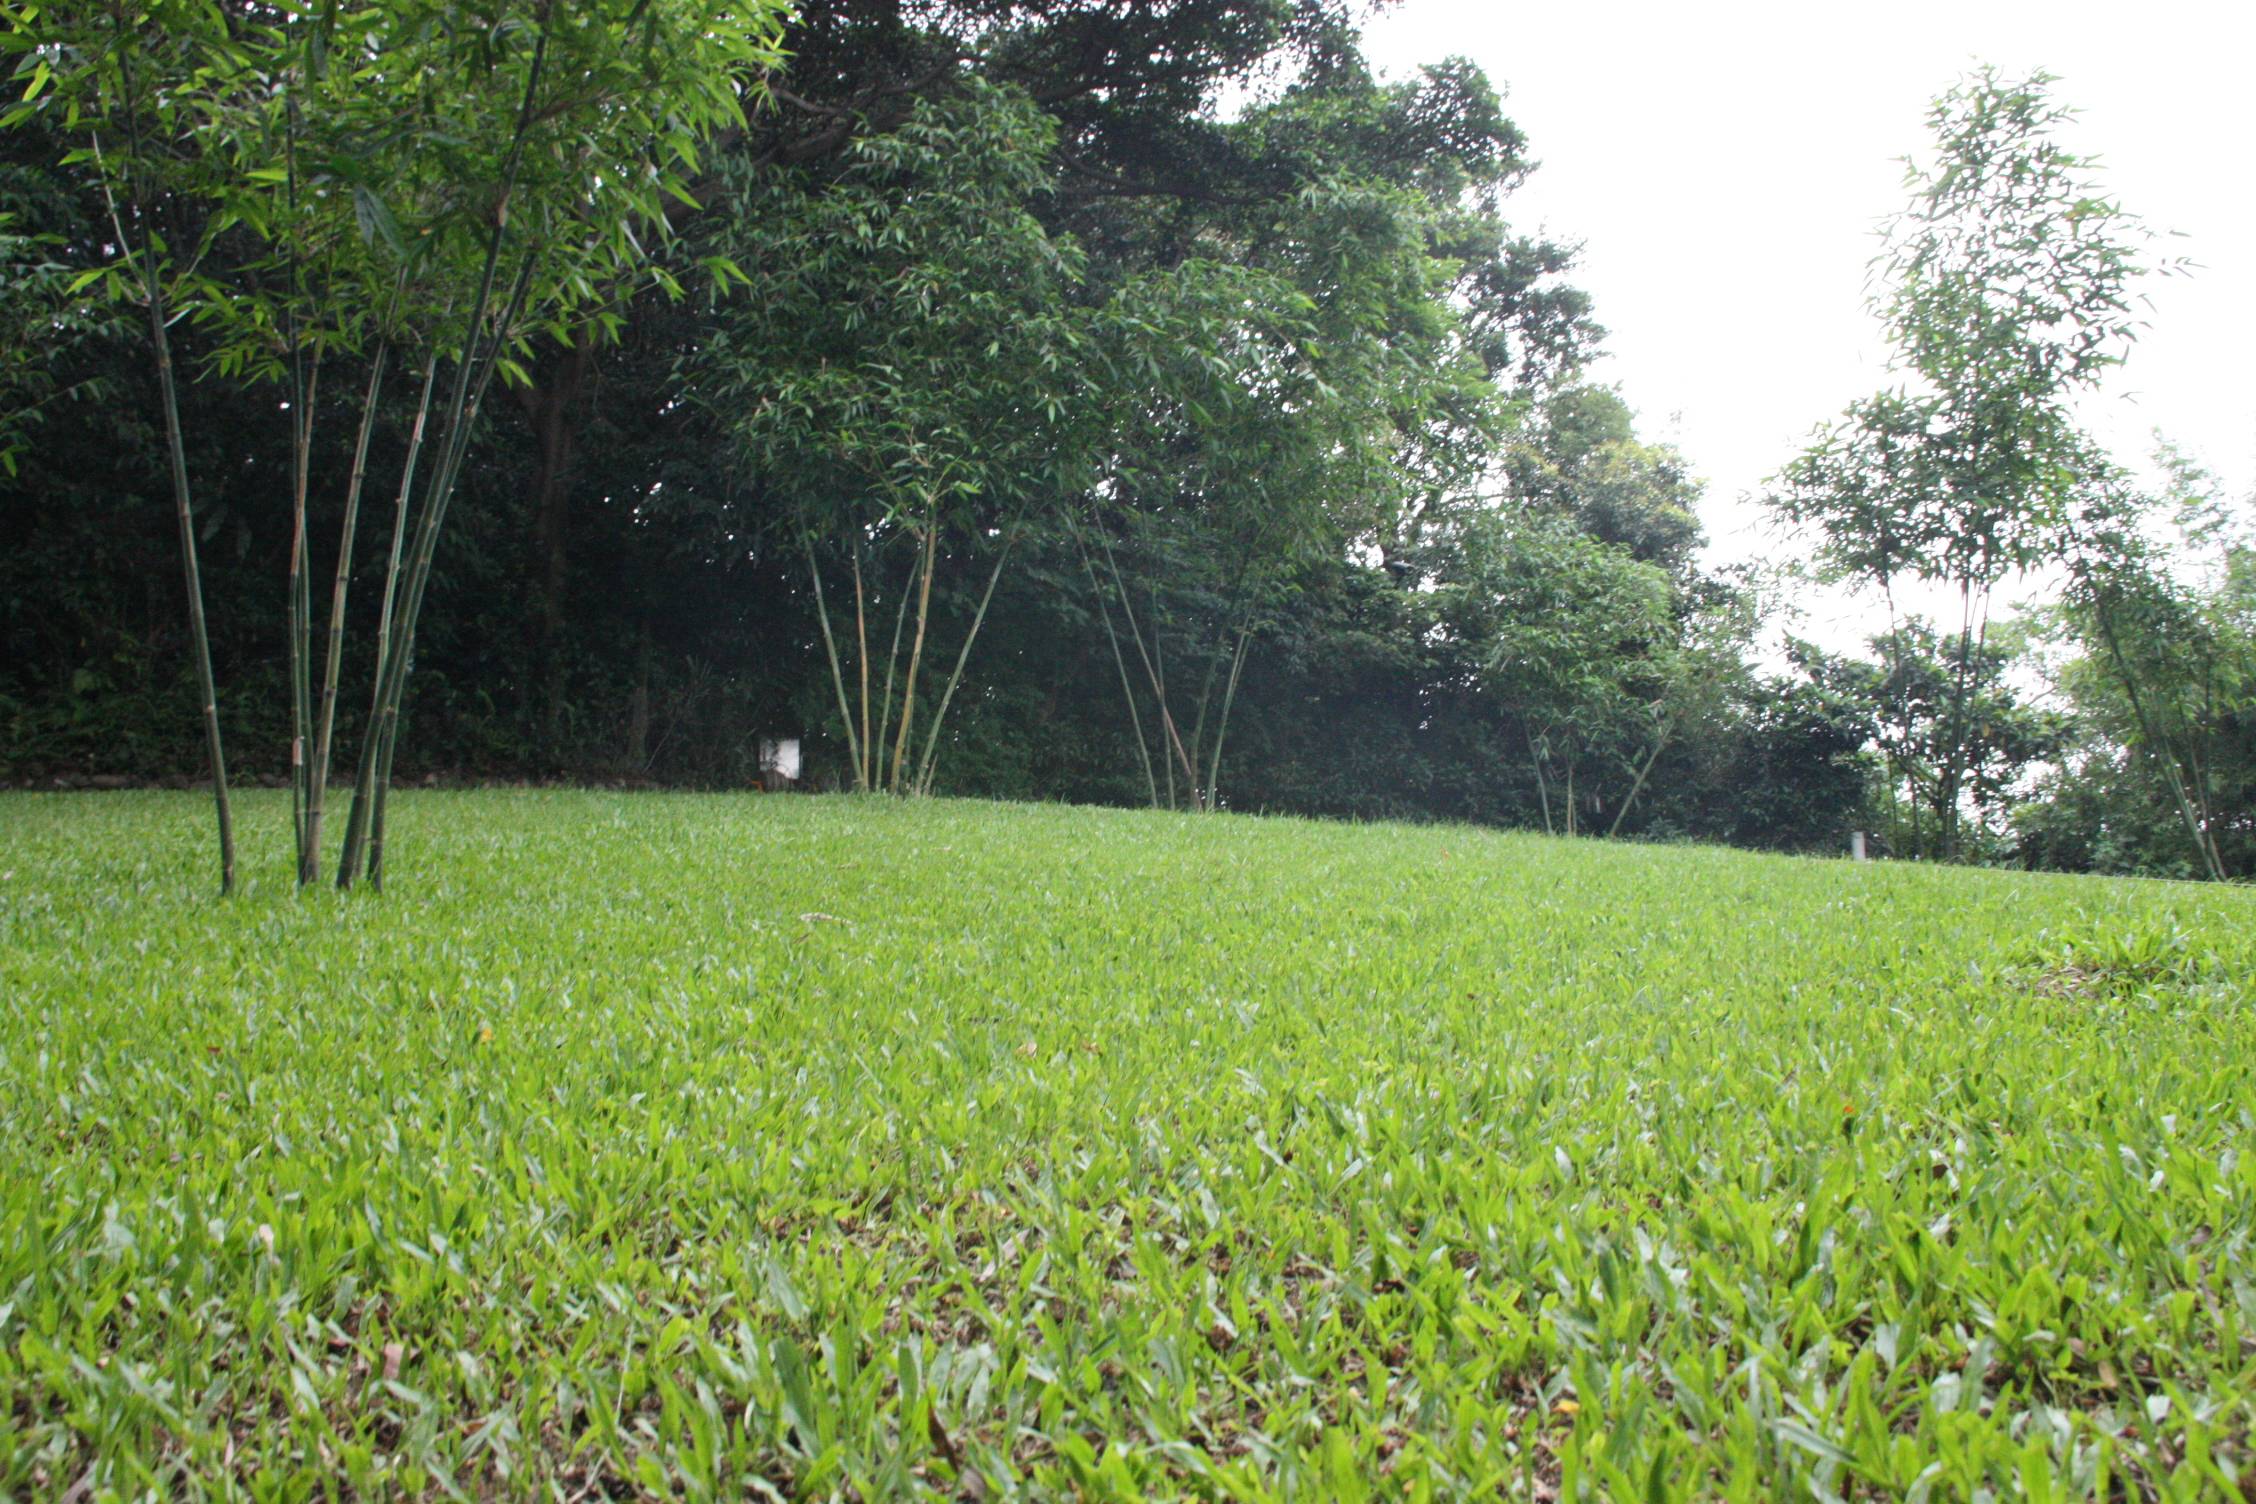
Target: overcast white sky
[1725,167]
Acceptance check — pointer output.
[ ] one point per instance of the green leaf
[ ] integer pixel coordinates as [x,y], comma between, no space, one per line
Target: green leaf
[375,220]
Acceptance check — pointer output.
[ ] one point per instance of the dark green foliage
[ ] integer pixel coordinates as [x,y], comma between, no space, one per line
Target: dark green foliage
[1953,748]
[2008,284]
[2161,615]
[1579,457]
[1265,428]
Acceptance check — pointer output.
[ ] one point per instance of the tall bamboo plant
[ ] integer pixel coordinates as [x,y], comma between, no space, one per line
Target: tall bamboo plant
[911,325]
[1300,398]
[515,204]
[891,757]
[131,84]
[421,178]
[921,371]
[292,298]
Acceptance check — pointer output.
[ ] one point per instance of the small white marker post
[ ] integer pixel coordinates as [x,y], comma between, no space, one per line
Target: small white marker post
[1856,845]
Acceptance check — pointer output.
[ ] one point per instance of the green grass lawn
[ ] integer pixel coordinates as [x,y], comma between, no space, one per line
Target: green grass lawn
[836,1148]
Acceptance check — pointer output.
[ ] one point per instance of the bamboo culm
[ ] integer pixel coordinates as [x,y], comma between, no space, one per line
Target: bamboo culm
[861,660]
[1127,689]
[176,447]
[892,661]
[2160,748]
[364,776]
[1637,786]
[923,783]
[305,386]
[830,651]
[192,577]
[364,827]
[1222,723]
[325,715]
[916,651]
[461,413]
[419,577]
[1174,738]
[304,389]
[1542,785]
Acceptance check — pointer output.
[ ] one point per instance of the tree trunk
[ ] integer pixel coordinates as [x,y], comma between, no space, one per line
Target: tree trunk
[1954,768]
[1542,784]
[638,709]
[1899,684]
[548,412]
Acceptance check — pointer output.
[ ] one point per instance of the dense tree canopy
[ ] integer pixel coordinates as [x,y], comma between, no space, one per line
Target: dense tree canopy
[1124,402]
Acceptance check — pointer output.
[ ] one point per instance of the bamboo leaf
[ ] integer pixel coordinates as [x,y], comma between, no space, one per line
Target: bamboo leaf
[376,221]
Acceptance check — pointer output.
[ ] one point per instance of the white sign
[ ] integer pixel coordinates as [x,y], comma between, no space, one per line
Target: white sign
[780,755]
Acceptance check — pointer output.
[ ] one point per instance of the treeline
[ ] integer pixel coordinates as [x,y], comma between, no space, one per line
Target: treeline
[1129,403]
